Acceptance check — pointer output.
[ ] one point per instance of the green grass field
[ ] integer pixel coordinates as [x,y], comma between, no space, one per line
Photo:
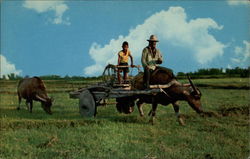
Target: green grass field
[112,135]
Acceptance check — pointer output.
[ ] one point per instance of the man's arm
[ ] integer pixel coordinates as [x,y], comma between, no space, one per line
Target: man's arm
[160,59]
[119,59]
[131,58]
[143,58]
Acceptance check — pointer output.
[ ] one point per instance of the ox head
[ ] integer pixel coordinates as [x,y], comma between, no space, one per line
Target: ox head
[46,104]
[193,96]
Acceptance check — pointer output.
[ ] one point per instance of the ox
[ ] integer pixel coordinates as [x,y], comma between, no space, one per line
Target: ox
[33,89]
[170,95]
[174,92]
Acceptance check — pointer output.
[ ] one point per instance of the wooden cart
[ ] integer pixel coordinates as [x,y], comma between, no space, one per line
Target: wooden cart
[91,96]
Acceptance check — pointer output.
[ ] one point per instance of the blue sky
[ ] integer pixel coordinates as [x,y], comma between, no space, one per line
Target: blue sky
[81,37]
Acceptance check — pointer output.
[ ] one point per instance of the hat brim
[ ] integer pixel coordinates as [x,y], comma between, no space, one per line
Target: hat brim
[153,40]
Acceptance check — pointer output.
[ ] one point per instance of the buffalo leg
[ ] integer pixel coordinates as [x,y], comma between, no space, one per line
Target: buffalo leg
[31,106]
[176,109]
[139,106]
[27,105]
[19,102]
[154,107]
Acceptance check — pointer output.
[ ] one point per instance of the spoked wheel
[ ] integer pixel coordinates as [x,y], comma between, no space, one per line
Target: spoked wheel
[109,74]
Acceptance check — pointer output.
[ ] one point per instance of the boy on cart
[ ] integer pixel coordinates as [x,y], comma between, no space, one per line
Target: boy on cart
[123,56]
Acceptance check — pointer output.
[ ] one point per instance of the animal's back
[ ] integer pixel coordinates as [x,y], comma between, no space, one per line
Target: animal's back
[30,86]
[160,76]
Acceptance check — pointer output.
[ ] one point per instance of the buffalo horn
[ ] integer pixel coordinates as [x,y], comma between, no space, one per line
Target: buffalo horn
[40,98]
[191,82]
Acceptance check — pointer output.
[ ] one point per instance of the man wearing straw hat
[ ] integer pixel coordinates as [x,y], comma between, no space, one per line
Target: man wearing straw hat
[151,58]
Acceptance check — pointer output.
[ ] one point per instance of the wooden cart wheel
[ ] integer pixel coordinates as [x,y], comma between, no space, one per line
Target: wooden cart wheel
[87,104]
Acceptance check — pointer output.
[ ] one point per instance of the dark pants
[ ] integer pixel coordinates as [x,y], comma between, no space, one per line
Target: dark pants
[146,77]
[125,69]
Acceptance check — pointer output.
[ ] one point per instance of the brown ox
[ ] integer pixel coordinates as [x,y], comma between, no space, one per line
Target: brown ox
[170,95]
[33,89]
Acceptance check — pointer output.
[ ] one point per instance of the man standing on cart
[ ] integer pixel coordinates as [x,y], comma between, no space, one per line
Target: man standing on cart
[151,58]
[123,61]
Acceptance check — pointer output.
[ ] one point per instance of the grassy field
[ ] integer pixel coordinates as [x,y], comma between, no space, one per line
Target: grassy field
[112,135]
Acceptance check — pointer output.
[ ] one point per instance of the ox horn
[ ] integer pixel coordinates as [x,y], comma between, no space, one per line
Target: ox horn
[192,84]
[40,98]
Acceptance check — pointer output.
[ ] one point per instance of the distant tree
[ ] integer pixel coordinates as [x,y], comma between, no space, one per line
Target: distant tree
[181,74]
[219,72]
[67,77]
[4,77]
[11,76]
[51,77]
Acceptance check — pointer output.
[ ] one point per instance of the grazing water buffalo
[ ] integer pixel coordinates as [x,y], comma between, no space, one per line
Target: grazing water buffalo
[33,89]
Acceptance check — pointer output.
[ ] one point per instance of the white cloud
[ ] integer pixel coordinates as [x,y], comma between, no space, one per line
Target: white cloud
[242,54]
[59,7]
[171,27]
[238,2]
[7,67]
[94,69]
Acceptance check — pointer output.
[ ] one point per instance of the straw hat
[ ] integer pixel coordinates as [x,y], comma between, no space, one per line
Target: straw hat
[153,38]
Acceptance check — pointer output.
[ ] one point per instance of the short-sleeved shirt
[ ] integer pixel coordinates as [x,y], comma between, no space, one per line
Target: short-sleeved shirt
[123,56]
[149,58]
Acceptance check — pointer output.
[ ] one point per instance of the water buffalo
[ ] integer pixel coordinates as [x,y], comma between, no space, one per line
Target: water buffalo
[175,92]
[33,89]
[171,95]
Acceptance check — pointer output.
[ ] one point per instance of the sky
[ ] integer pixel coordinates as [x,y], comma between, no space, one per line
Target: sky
[79,38]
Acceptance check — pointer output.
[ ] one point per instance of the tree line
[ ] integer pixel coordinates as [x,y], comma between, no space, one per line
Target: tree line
[13,76]
[218,72]
[200,73]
